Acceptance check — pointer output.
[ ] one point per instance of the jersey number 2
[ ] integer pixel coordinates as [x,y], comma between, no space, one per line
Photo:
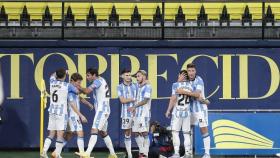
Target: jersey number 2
[183,99]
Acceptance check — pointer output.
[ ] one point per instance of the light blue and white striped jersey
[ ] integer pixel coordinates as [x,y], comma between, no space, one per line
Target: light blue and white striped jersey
[197,85]
[182,106]
[101,95]
[75,98]
[58,96]
[127,91]
[144,92]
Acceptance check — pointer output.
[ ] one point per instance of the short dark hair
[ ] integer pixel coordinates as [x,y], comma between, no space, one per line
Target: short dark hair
[76,77]
[125,71]
[191,65]
[93,71]
[60,73]
[185,72]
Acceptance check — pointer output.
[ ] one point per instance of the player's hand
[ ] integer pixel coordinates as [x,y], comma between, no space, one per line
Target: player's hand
[131,109]
[167,114]
[84,119]
[91,107]
[180,91]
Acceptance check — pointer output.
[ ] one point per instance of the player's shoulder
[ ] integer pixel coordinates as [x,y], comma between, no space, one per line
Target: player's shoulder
[198,79]
[175,84]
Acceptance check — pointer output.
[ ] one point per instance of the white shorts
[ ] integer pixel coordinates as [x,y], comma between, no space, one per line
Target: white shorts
[57,123]
[100,121]
[75,124]
[180,123]
[127,123]
[141,124]
[200,118]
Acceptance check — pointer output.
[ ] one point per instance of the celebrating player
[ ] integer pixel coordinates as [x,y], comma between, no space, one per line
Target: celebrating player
[59,90]
[76,118]
[199,110]
[142,114]
[101,96]
[180,104]
[127,95]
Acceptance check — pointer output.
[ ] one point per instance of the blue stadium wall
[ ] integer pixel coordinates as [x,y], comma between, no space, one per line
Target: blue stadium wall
[238,76]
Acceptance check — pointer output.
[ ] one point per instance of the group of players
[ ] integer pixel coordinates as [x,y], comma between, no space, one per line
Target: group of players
[187,105]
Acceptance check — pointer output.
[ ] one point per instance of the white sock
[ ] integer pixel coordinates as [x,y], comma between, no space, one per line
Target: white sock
[206,142]
[127,142]
[146,145]
[109,144]
[140,142]
[176,142]
[91,143]
[47,143]
[58,146]
[187,143]
[81,144]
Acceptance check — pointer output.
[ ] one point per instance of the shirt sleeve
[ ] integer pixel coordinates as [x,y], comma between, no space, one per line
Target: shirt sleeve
[148,92]
[174,88]
[96,84]
[71,97]
[200,84]
[53,77]
[120,91]
[72,89]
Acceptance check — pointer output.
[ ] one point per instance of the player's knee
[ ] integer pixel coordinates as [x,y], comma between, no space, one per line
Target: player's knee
[127,133]
[80,134]
[51,134]
[103,134]
[204,130]
[94,131]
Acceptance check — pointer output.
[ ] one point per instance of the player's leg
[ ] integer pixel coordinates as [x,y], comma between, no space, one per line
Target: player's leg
[186,128]
[138,137]
[107,139]
[49,139]
[145,134]
[77,127]
[126,126]
[94,133]
[80,141]
[176,124]
[60,126]
[47,143]
[203,124]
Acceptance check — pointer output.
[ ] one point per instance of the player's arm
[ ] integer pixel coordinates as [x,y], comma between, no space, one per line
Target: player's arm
[172,102]
[195,94]
[75,109]
[126,100]
[123,100]
[145,101]
[87,103]
[96,84]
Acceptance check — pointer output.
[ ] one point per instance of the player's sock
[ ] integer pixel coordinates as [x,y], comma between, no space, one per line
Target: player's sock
[187,143]
[91,143]
[206,141]
[140,142]
[127,142]
[80,143]
[146,145]
[47,143]
[176,142]
[109,144]
[58,146]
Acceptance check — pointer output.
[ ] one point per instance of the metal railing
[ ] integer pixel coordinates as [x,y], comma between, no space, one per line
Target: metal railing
[160,26]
